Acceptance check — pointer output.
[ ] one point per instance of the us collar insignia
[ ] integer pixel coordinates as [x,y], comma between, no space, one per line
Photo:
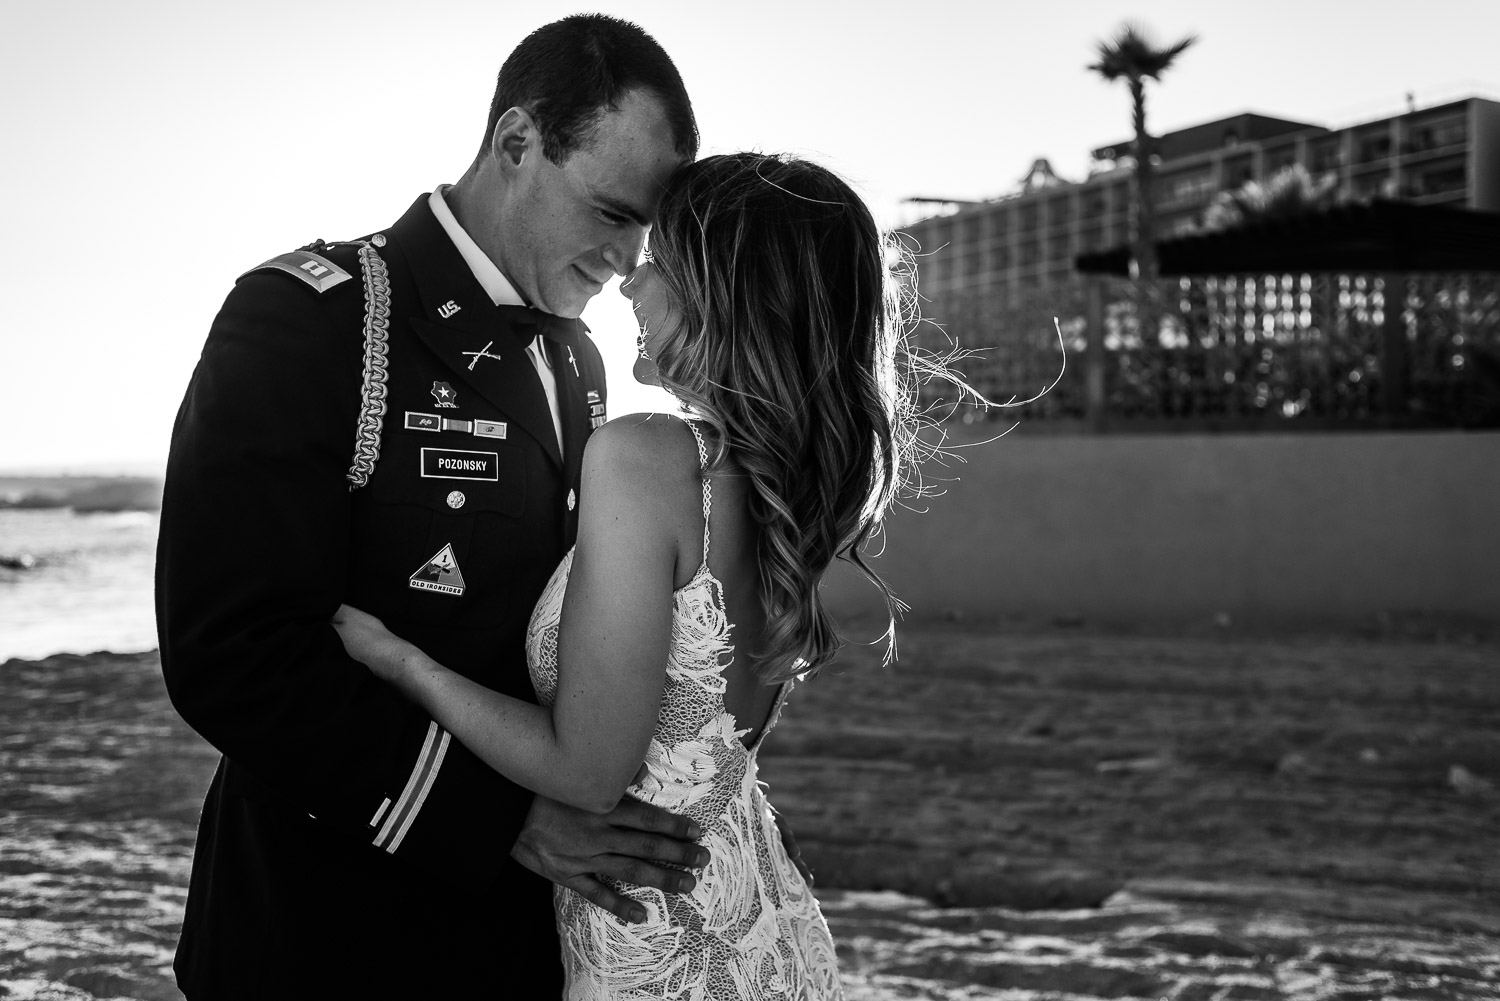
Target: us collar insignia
[444,395]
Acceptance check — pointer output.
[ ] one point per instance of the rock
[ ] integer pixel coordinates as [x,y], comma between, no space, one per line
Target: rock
[1150,763]
[1293,765]
[1253,992]
[103,982]
[1025,890]
[1466,783]
[21,561]
[1200,944]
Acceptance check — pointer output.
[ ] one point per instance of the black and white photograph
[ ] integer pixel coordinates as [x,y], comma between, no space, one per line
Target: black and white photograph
[800,501]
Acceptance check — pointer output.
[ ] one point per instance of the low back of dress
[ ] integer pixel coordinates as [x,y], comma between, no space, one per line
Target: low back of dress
[750,928]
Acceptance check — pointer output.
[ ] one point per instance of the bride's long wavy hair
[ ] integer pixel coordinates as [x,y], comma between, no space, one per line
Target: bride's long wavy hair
[792,346]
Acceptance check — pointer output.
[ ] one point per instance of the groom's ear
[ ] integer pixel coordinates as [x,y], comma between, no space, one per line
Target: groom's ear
[515,136]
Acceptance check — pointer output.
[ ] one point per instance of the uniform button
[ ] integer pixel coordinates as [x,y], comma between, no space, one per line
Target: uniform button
[456,499]
[572,500]
[378,239]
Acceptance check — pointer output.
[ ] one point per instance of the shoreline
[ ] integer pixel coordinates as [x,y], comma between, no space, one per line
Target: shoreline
[1411,629]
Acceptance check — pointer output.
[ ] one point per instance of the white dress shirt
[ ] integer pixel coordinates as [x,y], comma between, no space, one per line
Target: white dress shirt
[501,292]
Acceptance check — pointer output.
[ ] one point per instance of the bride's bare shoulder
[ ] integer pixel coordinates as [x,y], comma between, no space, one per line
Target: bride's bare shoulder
[644,449]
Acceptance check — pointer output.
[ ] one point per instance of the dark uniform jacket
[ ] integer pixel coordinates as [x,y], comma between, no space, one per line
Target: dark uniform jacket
[348,846]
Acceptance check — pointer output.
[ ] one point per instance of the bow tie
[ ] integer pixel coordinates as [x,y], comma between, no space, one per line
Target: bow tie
[528,322]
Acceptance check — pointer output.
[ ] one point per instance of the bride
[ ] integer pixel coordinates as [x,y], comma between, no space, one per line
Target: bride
[668,639]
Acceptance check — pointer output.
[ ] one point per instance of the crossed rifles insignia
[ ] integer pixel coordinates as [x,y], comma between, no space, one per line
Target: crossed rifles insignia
[483,352]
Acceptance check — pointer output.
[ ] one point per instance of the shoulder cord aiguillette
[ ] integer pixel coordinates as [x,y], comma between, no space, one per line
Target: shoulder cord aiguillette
[372,392]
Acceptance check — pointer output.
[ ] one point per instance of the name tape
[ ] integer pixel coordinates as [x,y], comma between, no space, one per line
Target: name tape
[456,464]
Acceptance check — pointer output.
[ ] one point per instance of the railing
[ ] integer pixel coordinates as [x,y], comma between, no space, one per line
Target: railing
[1266,352]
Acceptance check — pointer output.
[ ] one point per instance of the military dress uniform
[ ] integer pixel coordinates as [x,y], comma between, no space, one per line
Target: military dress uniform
[364,426]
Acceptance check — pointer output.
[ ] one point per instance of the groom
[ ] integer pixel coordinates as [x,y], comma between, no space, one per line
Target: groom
[398,423]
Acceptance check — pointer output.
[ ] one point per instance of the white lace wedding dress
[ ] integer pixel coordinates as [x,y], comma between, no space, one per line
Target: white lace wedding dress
[751,928]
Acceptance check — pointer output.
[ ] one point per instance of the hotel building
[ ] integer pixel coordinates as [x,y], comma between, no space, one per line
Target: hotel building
[1447,154]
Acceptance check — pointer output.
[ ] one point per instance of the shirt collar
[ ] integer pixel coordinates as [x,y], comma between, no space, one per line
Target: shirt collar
[495,284]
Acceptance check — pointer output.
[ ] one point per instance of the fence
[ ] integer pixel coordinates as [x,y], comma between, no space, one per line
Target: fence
[1238,352]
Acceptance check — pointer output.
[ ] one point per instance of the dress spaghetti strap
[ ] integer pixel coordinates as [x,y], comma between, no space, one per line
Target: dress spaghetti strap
[708,489]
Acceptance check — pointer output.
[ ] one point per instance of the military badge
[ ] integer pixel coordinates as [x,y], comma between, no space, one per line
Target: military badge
[444,394]
[489,429]
[440,574]
[483,352]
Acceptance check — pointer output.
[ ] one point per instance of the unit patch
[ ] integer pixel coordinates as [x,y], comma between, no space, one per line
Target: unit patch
[444,394]
[440,574]
[455,464]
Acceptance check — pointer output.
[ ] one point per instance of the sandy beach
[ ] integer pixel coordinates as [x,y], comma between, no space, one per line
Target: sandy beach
[1017,814]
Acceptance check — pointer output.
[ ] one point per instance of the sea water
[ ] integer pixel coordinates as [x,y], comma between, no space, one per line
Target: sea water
[89,586]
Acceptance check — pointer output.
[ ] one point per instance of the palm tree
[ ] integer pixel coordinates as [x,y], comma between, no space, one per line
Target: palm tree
[1132,55]
[1286,194]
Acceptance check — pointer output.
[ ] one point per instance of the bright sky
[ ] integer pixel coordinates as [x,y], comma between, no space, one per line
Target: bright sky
[153,150]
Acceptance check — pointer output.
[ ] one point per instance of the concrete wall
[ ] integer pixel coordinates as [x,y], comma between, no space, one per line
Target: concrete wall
[1301,528]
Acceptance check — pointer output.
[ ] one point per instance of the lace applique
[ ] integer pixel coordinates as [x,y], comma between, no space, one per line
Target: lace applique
[751,928]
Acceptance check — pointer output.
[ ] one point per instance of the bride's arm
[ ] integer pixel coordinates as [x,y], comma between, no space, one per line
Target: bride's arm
[616,623]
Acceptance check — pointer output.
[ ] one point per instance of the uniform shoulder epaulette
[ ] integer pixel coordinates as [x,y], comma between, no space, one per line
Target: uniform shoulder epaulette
[315,269]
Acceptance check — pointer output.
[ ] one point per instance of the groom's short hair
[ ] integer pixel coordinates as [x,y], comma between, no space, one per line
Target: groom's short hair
[567,74]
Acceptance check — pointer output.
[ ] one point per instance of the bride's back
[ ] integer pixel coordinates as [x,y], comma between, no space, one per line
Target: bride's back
[733,540]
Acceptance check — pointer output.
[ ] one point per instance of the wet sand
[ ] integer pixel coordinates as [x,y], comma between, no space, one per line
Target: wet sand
[1254,818]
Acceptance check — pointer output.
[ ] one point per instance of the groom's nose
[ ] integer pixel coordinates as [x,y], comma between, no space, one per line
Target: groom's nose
[630,277]
[624,253]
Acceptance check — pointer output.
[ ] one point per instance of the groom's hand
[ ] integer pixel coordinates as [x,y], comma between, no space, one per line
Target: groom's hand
[574,847]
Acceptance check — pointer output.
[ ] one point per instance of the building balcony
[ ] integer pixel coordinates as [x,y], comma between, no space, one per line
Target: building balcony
[1456,196]
[1428,153]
